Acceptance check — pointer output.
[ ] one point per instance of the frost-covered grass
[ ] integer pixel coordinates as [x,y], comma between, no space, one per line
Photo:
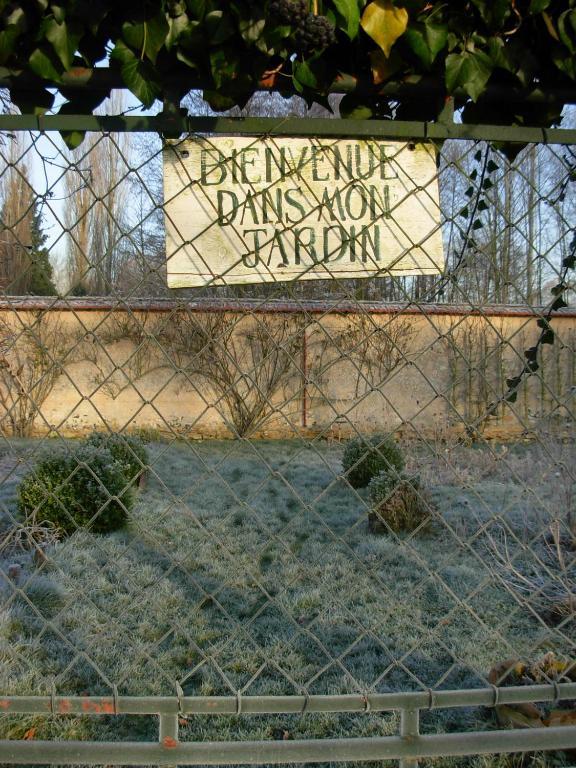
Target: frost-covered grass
[249,566]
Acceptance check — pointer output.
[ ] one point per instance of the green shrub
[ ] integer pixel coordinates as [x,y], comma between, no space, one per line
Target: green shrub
[85,489]
[365,457]
[129,450]
[397,502]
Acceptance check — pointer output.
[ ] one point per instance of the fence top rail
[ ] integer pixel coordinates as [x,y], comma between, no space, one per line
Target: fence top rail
[175,126]
[221,705]
[267,306]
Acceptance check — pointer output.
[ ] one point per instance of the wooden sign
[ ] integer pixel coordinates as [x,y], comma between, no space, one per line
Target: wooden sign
[253,210]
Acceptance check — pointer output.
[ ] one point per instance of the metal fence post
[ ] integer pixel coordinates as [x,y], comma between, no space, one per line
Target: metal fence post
[409,729]
[168,732]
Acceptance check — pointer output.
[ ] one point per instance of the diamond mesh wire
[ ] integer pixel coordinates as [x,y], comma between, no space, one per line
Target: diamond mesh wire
[251,561]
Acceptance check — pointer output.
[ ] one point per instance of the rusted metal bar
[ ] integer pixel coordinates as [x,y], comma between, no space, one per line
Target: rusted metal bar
[262,705]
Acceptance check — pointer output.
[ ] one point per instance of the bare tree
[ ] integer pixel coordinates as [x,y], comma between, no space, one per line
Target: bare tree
[376,348]
[17,206]
[34,348]
[95,214]
[248,362]
[125,349]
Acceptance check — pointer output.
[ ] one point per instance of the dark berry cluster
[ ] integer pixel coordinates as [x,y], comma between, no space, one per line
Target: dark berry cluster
[315,34]
[310,32]
[293,13]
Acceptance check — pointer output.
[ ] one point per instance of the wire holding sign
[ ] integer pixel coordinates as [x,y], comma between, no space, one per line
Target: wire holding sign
[245,210]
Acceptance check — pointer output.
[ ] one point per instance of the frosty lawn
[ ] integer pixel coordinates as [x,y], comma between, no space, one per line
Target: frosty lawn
[249,566]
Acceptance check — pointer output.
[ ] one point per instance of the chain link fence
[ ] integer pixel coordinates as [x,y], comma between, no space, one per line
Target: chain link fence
[327,516]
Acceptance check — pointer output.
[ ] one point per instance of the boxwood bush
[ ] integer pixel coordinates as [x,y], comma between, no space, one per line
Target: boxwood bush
[397,502]
[84,488]
[365,457]
[127,449]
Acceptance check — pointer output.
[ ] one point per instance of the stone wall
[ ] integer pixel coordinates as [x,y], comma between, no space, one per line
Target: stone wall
[360,368]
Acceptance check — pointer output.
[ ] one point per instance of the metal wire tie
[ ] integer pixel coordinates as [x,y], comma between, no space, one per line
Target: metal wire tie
[431,695]
[238,702]
[367,703]
[115,697]
[180,696]
[496,694]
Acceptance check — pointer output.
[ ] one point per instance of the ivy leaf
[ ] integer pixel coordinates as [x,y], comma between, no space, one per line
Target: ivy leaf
[550,26]
[177,26]
[218,27]
[35,101]
[514,382]
[217,101]
[147,36]
[537,6]
[501,56]
[415,38]
[251,29]
[565,21]
[73,139]
[138,75]
[197,8]
[224,67]
[569,262]
[384,23]
[353,108]
[42,65]
[493,12]
[437,37]
[383,67]
[8,39]
[547,336]
[558,303]
[468,70]
[64,40]
[304,77]
[491,166]
[350,14]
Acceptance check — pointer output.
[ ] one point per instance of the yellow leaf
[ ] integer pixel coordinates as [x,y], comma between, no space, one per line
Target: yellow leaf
[384,23]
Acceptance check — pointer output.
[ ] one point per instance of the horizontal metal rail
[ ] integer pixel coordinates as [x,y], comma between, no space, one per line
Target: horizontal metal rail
[171,752]
[303,127]
[407,747]
[268,705]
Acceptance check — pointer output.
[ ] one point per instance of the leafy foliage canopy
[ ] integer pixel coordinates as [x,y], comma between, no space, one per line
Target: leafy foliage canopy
[230,48]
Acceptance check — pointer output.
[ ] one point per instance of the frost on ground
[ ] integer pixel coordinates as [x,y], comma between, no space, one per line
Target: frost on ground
[249,566]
